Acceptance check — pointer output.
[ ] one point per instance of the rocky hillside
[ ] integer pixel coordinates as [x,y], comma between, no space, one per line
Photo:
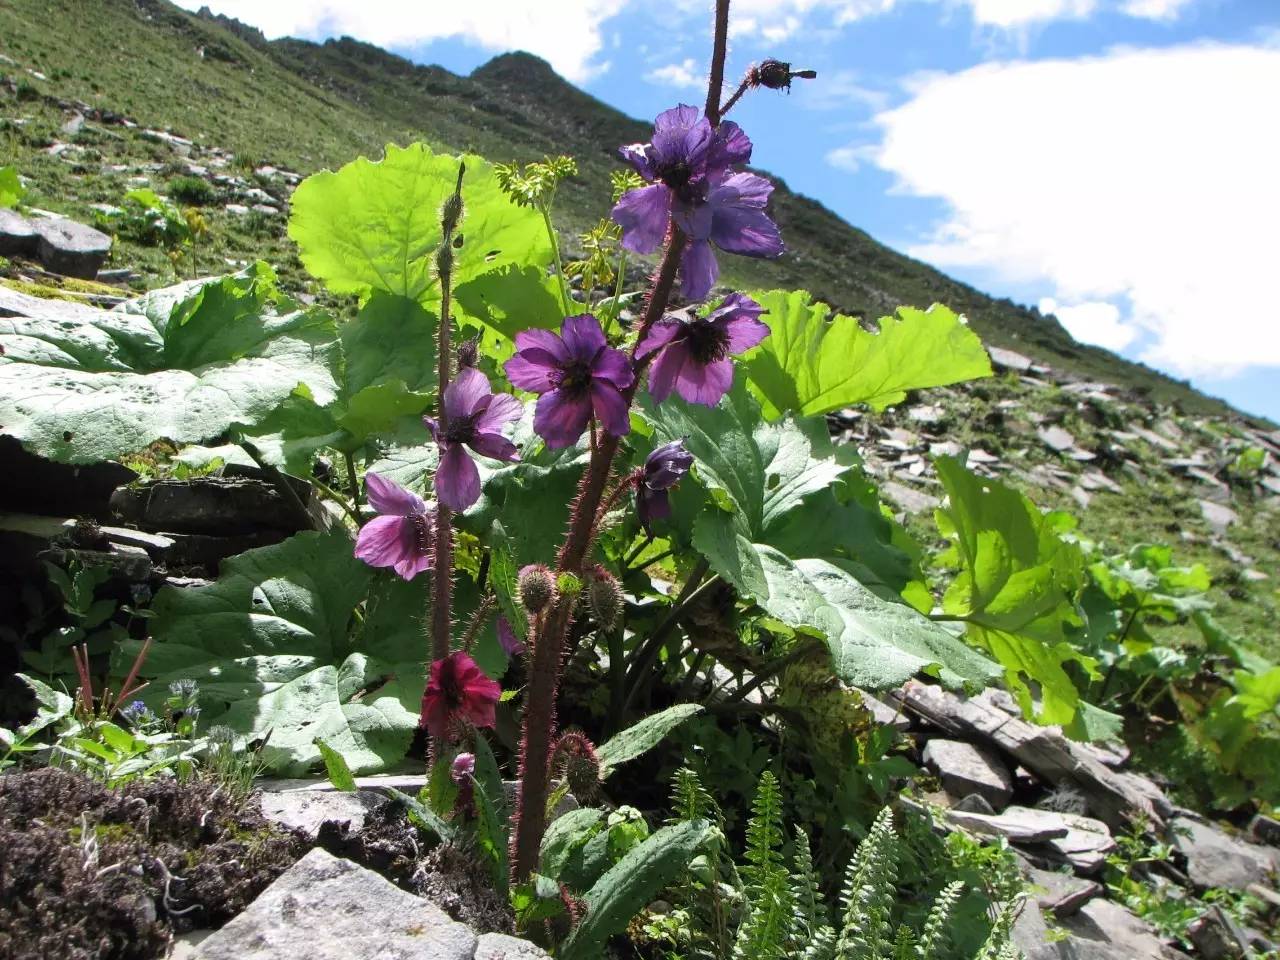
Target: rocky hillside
[98,100]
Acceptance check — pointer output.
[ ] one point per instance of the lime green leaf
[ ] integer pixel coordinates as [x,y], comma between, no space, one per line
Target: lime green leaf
[639,738]
[504,578]
[337,769]
[11,189]
[391,339]
[376,225]
[812,365]
[505,301]
[1257,693]
[182,364]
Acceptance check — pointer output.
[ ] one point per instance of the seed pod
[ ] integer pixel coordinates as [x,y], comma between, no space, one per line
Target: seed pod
[604,597]
[575,756]
[537,588]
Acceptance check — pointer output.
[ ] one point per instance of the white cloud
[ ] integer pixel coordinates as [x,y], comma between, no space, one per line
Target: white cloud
[852,157]
[1146,175]
[1154,9]
[567,33]
[687,73]
[1011,14]
[1095,321]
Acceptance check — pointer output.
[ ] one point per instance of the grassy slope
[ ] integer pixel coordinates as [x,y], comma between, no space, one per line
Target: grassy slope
[306,106]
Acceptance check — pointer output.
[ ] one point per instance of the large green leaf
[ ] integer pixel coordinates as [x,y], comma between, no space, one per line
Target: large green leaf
[181,364]
[810,364]
[11,189]
[1017,589]
[375,225]
[270,645]
[762,479]
[639,738]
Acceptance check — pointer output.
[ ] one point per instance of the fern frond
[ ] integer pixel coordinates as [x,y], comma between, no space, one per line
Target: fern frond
[867,899]
[811,913]
[821,945]
[934,937]
[999,943]
[690,799]
[770,903]
[904,943]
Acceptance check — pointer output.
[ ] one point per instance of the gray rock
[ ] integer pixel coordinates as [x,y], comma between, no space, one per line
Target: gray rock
[1016,824]
[1071,838]
[18,235]
[1216,859]
[324,908]
[1217,516]
[1056,438]
[966,768]
[1061,894]
[1265,830]
[1103,930]
[1095,480]
[217,506]
[1216,936]
[884,714]
[1009,360]
[499,946]
[74,125]
[70,248]
[974,803]
[912,501]
[306,810]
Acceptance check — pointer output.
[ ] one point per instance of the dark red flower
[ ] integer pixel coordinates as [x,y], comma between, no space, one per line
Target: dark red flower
[457,689]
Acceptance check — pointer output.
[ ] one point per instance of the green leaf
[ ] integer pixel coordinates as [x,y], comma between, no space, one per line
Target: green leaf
[392,339]
[812,365]
[51,706]
[631,883]
[425,817]
[1017,589]
[1257,693]
[641,737]
[565,835]
[504,578]
[336,767]
[11,189]
[376,225]
[269,645]
[505,301]
[491,834]
[182,364]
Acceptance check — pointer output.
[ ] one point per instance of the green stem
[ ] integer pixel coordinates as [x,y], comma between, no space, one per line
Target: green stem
[352,479]
[565,300]
[645,659]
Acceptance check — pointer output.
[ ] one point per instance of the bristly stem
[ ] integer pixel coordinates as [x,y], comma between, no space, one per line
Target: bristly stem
[442,543]
[743,87]
[546,657]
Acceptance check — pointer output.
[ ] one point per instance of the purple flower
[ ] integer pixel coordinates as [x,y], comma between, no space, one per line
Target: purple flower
[463,768]
[693,355]
[688,166]
[476,418]
[401,537]
[458,689]
[662,470]
[578,374]
[507,639]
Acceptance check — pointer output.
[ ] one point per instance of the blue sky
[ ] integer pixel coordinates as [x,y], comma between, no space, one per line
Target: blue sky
[1115,162]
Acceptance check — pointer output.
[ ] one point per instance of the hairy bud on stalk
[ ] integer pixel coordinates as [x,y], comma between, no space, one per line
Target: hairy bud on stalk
[777,75]
[444,261]
[451,212]
[469,353]
[575,756]
[604,597]
[537,588]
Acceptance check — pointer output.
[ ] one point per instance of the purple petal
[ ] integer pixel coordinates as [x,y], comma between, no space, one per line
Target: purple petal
[468,392]
[659,335]
[731,146]
[680,117]
[386,541]
[663,373]
[457,479]
[694,219]
[705,383]
[652,505]
[559,419]
[390,498]
[736,303]
[532,369]
[583,336]
[740,190]
[637,154]
[744,332]
[413,565]
[433,427]
[540,339]
[502,410]
[643,215]
[611,408]
[510,643]
[664,467]
[747,232]
[698,270]
[494,445]
[681,135]
[614,366]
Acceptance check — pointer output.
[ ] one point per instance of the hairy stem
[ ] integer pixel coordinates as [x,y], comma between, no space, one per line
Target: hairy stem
[715,82]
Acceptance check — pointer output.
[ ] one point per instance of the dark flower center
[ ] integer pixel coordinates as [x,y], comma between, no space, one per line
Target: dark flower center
[460,430]
[707,341]
[679,177]
[421,532]
[575,378]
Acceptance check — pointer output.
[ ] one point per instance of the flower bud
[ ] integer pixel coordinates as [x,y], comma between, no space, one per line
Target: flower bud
[463,768]
[604,597]
[576,756]
[444,261]
[468,353]
[777,75]
[537,588]
[451,213]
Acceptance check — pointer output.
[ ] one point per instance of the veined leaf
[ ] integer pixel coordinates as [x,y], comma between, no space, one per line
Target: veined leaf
[639,738]
[811,365]
[375,225]
[11,189]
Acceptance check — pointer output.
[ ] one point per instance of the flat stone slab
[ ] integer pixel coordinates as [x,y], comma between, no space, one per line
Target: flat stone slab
[966,768]
[17,235]
[1009,360]
[912,501]
[1012,825]
[1062,894]
[72,249]
[1217,516]
[306,810]
[499,946]
[1217,859]
[1079,841]
[324,908]
[1055,438]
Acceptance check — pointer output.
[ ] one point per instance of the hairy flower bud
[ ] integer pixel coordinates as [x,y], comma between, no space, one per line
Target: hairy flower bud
[451,213]
[444,261]
[777,75]
[575,756]
[468,353]
[463,768]
[537,588]
[604,597]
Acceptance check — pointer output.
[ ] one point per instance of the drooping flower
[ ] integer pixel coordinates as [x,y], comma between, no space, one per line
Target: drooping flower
[476,419]
[577,374]
[463,768]
[458,689]
[400,537]
[693,355]
[662,470]
[689,168]
[507,639]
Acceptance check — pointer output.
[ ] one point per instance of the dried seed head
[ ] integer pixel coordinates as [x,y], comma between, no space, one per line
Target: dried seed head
[575,756]
[604,597]
[777,75]
[537,588]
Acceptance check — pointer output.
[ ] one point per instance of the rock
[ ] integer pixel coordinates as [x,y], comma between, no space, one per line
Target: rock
[1095,480]
[1267,895]
[1062,894]
[1056,438]
[32,484]
[306,810]
[1103,930]
[1252,575]
[1111,797]
[1217,936]
[912,501]
[928,413]
[882,713]
[1081,498]
[974,803]
[71,249]
[1079,841]
[1216,859]
[74,125]
[1217,516]
[1009,360]
[1016,824]
[499,946]
[18,235]
[237,209]
[265,208]
[966,768]
[324,908]
[221,506]
[1265,830]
